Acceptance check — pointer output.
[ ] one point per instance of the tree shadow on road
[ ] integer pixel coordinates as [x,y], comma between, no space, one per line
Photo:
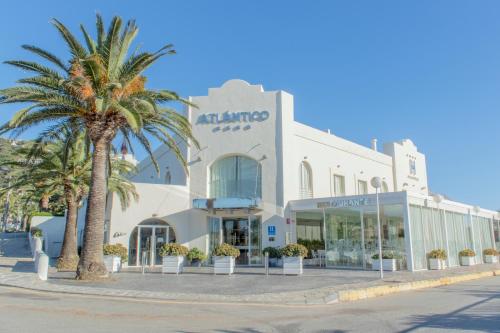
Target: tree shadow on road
[470,317]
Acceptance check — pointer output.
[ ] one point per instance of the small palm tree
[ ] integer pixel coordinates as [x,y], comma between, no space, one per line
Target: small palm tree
[59,163]
[101,90]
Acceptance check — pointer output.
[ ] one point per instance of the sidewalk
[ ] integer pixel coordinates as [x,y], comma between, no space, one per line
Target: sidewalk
[248,285]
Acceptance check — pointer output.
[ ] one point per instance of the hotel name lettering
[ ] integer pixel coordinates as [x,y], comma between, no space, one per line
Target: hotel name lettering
[232,117]
[343,203]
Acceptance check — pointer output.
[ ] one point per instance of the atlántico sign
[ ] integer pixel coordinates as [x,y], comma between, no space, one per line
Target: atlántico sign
[232,117]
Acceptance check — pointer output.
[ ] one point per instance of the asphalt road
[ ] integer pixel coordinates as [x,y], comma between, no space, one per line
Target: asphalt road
[468,307]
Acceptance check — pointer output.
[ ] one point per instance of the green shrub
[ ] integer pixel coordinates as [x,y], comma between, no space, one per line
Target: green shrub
[226,250]
[386,255]
[115,250]
[438,254]
[467,253]
[274,252]
[312,244]
[196,254]
[490,252]
[45,214]
[173,249]
[36,232]
[294,250]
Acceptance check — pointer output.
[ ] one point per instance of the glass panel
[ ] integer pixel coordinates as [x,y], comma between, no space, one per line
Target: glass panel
[256,247]
[458,235]
[145,235]
[160,239]
[235,232]
[214,234]
[417,238]
[393,235]
[132,248]
[235,177]
[339,185]
[309,229]
[496,232]
[343,238]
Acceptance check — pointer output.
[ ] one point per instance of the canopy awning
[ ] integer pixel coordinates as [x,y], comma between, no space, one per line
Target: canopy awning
[227,203]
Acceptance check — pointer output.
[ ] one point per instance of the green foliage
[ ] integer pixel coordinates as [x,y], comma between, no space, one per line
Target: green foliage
[294,250]
[274,252]
[312,244]
[173,249]
[226,250]
[386,255]
[196,254]
[116,250]
[36,232]
[43,214]
[438,254]
[490,252]
[467,253]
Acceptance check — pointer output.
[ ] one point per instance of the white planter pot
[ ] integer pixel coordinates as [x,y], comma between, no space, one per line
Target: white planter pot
[387,265]
[292,265]
[468,261]
[113,263]
[223,265]
[437,263]
[489,259]
[172,264]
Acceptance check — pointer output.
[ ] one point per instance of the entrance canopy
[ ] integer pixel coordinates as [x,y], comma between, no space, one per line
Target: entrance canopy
[228,203]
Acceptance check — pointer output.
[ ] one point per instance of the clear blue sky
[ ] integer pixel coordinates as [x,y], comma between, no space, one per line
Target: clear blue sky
[425,70]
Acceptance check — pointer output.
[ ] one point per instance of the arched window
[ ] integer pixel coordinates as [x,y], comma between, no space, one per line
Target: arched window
[306,188]
[168,177]
[235,177]
[385,188]
[146,240]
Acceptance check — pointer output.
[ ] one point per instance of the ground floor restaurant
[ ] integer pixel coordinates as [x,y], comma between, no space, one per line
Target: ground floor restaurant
[344,230]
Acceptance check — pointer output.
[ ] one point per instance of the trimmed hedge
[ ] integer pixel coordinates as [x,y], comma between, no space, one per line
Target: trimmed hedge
[173,249]
[226,250]
[115,250]
[294,250]
[438,254]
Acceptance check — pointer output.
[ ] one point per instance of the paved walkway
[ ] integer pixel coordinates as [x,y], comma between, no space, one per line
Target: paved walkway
[316,286]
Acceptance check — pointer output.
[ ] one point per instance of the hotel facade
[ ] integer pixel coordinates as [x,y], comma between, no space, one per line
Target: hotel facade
[262,179]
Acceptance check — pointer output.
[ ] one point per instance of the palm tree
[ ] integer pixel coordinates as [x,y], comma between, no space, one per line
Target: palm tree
[59,163]
[102,90]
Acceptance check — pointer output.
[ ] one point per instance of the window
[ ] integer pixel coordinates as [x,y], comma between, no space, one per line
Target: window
[168,177]
[235,177]
[339,185]
[413,168]
[362,187]
[385,188]
[306,189]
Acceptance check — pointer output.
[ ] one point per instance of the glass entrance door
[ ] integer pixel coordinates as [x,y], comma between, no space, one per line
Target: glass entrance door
[244,233]
[145,239]
[161,237]
[151,239]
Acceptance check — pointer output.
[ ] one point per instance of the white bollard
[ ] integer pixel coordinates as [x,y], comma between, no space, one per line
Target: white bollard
[43,266]
[35,261]
[38,245]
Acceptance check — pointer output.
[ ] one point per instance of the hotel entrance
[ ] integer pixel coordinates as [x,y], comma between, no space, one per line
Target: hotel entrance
[146,241]
[244,233]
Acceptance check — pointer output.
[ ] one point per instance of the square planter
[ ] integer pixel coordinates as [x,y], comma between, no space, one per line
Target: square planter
[292,265]
[489,259]
[223,265]
[437,263]
[467,261]
[387,265]
[172,264]
[113,263]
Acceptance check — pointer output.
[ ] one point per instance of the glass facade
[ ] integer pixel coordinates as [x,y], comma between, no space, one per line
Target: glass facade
[235,177]
[496,233]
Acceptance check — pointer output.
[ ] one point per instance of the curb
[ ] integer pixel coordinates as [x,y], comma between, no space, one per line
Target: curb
[376,291]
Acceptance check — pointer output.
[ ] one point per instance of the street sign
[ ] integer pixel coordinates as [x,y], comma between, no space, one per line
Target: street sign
[271,230]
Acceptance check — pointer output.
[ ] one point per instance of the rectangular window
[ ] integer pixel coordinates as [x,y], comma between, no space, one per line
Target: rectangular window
[413,168]
[362,187]
[339,185]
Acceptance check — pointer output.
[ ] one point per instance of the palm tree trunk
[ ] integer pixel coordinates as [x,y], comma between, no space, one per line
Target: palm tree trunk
[91,265]
[68,260]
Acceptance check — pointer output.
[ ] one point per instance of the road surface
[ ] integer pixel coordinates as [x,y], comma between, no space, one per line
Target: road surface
[468,307]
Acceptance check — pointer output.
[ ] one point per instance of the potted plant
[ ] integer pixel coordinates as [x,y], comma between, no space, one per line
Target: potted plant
[196,256]
[114,255]
[467,257]
[293,255]
[224,256]
[437,259]
[274,255]
[389,261]
[490,256]
[173,257]
[36,232]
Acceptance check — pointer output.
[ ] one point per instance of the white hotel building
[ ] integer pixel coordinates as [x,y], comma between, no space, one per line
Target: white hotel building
[262,179]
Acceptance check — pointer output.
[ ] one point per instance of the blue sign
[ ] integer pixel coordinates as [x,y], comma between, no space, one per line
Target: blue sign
[271,230]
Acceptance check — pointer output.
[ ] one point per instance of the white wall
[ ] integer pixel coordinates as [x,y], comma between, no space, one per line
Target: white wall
[53,232]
